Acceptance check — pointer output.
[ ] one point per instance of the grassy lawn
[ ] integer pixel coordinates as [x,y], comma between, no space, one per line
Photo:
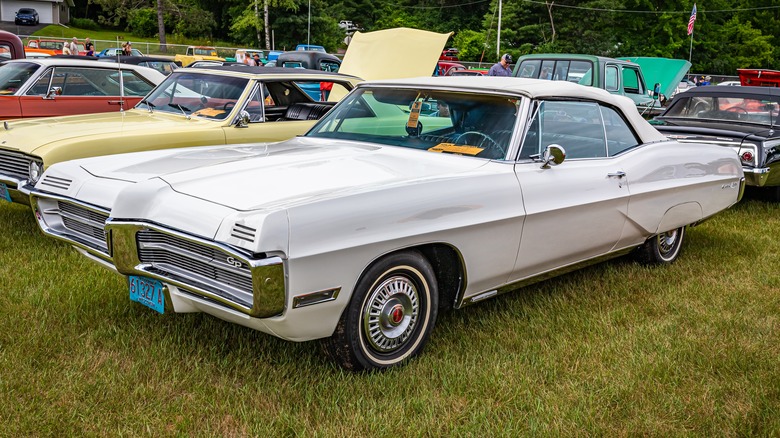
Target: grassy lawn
[146,45]
[613,350]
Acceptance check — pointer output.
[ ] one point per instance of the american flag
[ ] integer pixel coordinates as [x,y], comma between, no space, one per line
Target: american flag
[692,19]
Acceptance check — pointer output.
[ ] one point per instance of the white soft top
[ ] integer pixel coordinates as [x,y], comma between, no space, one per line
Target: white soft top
[534,89]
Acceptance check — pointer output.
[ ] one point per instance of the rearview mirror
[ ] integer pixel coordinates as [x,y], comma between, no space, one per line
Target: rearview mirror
[242,121]
[554,155]
[53,91]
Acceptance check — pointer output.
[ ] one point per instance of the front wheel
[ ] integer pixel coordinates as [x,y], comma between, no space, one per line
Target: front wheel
[390,317]
[662,248]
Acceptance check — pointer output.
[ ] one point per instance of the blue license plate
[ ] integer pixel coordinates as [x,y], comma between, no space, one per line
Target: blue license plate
[148,292]
[4,195]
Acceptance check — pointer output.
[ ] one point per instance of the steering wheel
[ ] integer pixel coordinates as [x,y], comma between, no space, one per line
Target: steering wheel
[737,109]
[228,106]
[484,138]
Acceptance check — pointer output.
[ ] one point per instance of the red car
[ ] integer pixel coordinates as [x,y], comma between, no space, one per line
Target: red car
[449,55]
[61,86]
[445,68]
[467,72]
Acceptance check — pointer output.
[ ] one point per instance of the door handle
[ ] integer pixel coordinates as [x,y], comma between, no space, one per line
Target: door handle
[116,102]
[619,175]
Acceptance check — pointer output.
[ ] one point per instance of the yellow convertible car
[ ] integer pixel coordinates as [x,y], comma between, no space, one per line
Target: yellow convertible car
[204,106]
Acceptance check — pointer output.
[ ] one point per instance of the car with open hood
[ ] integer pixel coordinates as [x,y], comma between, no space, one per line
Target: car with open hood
[358,232]
[207,106]
[59,86]
[745,120]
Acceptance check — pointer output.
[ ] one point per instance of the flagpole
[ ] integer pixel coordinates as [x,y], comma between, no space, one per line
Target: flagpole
[690,51]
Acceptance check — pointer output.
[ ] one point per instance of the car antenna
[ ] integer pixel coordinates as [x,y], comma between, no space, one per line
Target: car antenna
[121,81]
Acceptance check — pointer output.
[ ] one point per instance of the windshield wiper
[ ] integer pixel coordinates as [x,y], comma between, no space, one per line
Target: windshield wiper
[149,105]
[183,109]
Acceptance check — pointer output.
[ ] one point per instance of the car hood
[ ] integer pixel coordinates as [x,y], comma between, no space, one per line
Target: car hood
[665,71]
[306,170]
[141,166]
[31,134]
[375,55]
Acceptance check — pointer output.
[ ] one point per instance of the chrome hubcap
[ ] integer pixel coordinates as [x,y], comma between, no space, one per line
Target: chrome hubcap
[667,241]
[391,313]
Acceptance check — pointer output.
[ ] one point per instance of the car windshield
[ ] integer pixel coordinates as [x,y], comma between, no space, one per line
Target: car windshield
[26,11]
[203,95]
[163,67]
[205,52]
[471,124]
[749,109]
[14,74]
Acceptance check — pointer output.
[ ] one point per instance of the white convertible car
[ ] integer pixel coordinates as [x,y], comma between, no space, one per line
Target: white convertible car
[409,196]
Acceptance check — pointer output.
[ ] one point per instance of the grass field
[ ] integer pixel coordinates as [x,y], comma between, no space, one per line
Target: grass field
[146,45]
[613,350]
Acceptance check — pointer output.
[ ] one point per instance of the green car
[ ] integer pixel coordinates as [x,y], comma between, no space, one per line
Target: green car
[618,76]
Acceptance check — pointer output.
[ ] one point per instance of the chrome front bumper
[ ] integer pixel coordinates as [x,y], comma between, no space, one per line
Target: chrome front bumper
[18,189]
[185,261]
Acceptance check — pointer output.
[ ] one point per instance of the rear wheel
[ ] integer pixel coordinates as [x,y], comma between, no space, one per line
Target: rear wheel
[390,317]
[662,248]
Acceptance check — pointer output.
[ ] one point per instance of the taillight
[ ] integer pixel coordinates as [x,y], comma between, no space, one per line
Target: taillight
[747,157]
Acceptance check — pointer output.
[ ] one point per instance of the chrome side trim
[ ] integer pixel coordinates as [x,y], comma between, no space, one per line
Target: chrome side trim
[509,287]
[267,297]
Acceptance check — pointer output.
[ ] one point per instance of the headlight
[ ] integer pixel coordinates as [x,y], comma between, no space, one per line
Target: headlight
[36,169]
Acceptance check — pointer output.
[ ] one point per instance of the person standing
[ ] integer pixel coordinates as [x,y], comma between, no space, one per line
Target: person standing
[89,47]
[501,68]
[74,46]
[127,48]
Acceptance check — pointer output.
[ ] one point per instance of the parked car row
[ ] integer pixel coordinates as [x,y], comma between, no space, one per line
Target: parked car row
[388,200]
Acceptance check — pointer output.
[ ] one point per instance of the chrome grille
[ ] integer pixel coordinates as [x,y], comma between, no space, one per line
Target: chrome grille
[210,268]
[15,164]
[84,223]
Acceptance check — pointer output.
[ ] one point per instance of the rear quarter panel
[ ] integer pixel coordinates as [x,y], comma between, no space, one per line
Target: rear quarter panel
[674,184]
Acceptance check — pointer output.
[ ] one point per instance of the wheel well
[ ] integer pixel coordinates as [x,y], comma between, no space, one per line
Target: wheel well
[448,266]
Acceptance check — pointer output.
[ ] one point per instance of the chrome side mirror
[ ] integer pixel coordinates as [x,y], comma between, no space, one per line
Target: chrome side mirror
[54,91]
[554,155]
[242,120]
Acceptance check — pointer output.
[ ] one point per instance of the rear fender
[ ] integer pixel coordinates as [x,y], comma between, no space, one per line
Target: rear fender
[680,215]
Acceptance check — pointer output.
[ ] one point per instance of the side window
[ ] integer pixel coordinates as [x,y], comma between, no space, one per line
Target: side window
[577,126]
[611,78]
[561,71]
[76,81]
[529,69]
[329,66]
[5,51]
[577,72]
[134,84]
[631,81]
[41,86]
[547,70]
[256,103]
[620,137]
